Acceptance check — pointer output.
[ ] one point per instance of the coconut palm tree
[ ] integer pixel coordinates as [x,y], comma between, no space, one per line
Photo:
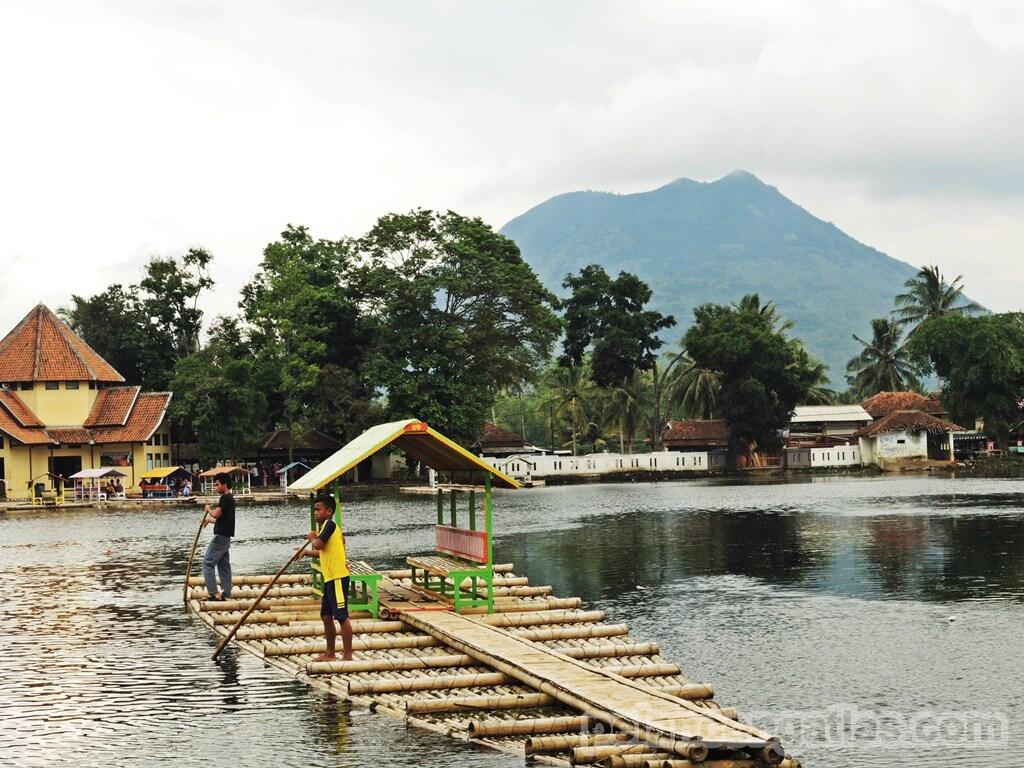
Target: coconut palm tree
[624,408]
[884,364]
[571,395]
[815,374]
[928,295]
[695,391]
[751,303]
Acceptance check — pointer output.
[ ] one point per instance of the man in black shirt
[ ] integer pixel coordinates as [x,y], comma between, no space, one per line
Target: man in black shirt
[223,518]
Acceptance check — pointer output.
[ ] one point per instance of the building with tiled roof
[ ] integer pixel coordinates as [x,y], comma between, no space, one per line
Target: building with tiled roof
[884,403]
[696,435]
[63,408]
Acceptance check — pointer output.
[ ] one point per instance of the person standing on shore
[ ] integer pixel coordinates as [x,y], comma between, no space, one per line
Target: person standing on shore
[222,517]
[328,543]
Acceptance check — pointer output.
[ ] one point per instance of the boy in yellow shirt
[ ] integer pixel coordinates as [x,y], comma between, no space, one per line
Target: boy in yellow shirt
[328,543]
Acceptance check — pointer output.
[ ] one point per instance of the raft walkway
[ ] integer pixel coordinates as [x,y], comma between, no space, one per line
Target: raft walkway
[540,677]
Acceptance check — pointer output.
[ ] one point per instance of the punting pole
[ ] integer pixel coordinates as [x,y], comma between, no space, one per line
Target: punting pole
[231,634]
[192,556]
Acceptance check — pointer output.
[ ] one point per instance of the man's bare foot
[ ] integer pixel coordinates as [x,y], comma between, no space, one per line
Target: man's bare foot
[326,657]
[347,658]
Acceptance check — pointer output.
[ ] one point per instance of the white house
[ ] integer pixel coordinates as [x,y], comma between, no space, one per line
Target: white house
[907,435]
[813,422]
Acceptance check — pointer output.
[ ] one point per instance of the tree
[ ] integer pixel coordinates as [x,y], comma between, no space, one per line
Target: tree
[769,311]
[144,330]
[218,399]
[624,408]
[815,376]
[981,363]
[762,377]
[303,321]
[695,391]
[608,318]
[928,296]
[458,316]
[571,395]
[885,364]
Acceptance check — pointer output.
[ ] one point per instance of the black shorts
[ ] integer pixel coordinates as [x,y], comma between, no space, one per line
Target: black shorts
[329,603]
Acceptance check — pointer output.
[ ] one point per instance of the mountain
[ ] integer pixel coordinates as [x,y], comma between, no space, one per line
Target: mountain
[695,242]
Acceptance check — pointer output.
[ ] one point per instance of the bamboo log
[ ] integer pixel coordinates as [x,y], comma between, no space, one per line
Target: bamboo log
[642,670]
[312,629]
[690,692]
[540,618]
[358,644]
[274,603]
[566,742]
[388,665]
[238,581]
[478,703]
[593,754]
[479,729]
[289,590]
[191,557]
[582,632]
[425,683]
[633,761]
[610,650]
[788,762]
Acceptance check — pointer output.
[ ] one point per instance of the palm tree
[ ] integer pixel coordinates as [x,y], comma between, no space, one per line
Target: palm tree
[928,295]
[815,374]
[624,408]
[884,364]
[695,391]
[751,303]
[571,395]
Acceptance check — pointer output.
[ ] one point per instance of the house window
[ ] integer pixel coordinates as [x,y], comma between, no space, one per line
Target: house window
[149,461]
[167,438]
[901,442]
[92,385]
[70,385]
[1,442]
[26,386]
[53,385]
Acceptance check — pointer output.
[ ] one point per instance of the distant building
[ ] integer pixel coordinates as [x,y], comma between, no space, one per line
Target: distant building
[497,442]
[907,435]
[63,408]
[826,424]
[884,403]
[708,435]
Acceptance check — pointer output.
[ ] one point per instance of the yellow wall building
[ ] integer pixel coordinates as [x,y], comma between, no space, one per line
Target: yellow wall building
[63,408]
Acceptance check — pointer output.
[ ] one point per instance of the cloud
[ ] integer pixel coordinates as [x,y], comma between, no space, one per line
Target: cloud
[138,128]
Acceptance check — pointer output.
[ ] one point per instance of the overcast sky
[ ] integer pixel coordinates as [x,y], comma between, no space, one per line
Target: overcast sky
[135,128]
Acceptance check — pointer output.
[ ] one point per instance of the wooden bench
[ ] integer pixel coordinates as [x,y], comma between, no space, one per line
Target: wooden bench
[362,586]
[444,577]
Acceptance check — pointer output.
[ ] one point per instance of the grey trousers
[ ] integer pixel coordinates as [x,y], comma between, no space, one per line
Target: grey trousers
[217,557]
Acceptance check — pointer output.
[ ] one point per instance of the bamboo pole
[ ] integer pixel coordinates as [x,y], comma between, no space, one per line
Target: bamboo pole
[567,742]
[479,729]
[540,618]
[610,650]
[584,755]
[358,644]
[580,632]
[432,683]
[388,665]
[312,629]
[191,557]
[228,606]
[227,638]
[634,761]
[689,692]
[642,670]
[478,703]
[257,579]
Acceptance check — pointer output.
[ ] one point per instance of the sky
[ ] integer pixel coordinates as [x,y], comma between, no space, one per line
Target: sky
[142,128]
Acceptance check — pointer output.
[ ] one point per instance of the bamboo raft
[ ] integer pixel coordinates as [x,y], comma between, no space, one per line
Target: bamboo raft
[540,677]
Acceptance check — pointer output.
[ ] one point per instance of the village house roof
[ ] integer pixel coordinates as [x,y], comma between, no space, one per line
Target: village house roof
[145,418]
[27,435]
[884,403]
[42,348]
[814,414]
[493,436]
[18,409]
[112,407]
[908,421]
[311,440]
[709,432]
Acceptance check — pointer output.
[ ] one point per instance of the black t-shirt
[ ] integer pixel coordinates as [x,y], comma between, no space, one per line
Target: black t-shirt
[225,525]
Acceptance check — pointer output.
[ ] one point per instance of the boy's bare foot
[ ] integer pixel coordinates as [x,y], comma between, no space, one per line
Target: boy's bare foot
[347,658]
[327,657]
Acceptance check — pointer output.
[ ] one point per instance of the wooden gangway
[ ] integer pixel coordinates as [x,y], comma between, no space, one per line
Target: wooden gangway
[620,703]
[540,677]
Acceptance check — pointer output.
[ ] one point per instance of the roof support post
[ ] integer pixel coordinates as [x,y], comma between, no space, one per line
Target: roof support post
[440,506]
[472,508]
[455,521]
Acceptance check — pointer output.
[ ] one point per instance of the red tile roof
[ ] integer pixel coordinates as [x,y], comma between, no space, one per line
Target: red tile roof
[908,421]
[10,400]
[69,435]
[708,432]
[42,348]
[494,436]
[143,421]
[884,403]
[112,407]
[27,435]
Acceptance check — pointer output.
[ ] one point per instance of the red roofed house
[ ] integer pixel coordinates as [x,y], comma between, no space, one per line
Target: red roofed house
[63,408]
[696,435]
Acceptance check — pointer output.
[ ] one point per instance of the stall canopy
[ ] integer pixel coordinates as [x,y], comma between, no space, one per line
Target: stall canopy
[226,470]
[161,473]
[411,436]
[97,474]
[290,467]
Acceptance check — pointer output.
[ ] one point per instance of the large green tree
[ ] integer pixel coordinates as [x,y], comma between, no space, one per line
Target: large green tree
[884,364]
[980,361]
[457,317]
[928,296]
[608,318]
[761,375]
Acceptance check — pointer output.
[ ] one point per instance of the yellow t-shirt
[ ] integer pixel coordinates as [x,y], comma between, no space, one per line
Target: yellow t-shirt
[333,562]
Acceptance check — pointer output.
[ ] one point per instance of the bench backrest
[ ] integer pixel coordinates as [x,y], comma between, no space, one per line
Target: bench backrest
[469,545]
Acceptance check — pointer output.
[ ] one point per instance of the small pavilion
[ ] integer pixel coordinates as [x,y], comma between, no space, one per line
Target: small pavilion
[241,476]
[90,483]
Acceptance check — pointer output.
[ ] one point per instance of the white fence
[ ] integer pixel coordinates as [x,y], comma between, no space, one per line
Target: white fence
[530,467]
[832,456]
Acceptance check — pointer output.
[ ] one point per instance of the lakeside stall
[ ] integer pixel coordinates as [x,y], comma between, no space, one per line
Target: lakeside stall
[162,486]
[90,484]
[240,475]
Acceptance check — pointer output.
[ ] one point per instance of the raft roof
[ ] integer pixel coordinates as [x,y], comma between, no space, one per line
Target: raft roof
[411,436]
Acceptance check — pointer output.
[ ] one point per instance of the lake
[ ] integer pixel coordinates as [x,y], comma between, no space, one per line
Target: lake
[869,621]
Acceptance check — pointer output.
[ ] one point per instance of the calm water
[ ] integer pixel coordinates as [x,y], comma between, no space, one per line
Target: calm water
[871,622]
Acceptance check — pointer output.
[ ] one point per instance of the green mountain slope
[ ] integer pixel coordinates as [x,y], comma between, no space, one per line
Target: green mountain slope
[697,242]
